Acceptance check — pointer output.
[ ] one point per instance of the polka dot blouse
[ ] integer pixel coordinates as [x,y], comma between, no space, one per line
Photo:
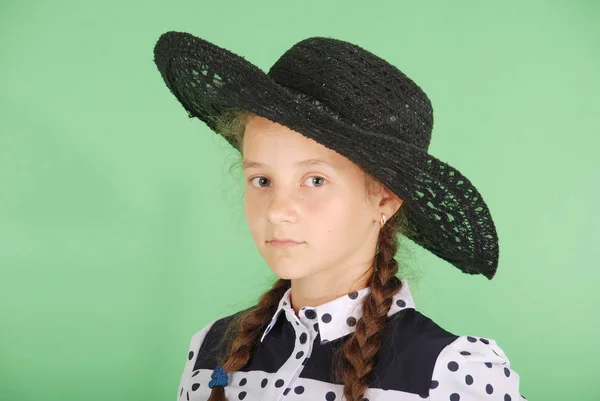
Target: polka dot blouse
[418,360]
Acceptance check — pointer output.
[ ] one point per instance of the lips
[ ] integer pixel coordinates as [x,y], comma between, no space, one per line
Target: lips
[284,243]
[283,240]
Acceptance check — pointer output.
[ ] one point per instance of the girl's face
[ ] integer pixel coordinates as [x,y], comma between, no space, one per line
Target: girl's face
[323,206]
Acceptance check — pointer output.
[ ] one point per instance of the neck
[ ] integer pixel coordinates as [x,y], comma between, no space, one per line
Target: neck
[314,292]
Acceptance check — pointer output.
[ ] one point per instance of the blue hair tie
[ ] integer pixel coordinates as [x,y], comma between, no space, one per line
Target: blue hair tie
[219,377]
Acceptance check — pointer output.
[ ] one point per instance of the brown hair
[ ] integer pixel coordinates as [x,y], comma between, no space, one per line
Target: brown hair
[351,366]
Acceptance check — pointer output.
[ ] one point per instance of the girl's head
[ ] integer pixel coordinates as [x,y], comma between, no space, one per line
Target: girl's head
[333,209]
[296,188]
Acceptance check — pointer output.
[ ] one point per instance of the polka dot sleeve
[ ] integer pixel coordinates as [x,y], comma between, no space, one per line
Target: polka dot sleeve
[194,347]
[472,369]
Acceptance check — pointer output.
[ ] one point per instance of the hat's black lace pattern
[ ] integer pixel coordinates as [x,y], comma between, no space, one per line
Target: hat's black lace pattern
[353,102]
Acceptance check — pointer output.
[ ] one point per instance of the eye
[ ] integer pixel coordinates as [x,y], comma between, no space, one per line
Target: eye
[318,178]
[263,179]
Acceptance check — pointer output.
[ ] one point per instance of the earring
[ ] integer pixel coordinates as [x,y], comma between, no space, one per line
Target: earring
[382,220]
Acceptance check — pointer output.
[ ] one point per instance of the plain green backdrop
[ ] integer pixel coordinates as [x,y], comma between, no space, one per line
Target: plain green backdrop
[122,231]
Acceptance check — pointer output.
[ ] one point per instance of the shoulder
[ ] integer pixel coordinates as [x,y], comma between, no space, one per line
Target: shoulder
[471,368]
[411,345]
[421,357]
[206,345]
[415,335]
[202,347]
[215,329]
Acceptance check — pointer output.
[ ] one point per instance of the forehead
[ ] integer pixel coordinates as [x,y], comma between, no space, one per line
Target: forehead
[266,141]
[273,146]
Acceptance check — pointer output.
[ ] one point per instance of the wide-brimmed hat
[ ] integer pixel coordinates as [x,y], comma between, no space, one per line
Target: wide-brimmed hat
[357,104]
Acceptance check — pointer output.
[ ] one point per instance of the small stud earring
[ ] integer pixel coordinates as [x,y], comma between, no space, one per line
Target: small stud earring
[382,220]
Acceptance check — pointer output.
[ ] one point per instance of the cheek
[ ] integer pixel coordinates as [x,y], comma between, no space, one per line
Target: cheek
[253,213]
[328,219]
[252,204]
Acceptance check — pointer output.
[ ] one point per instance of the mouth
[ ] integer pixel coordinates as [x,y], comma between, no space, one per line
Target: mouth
[284,244]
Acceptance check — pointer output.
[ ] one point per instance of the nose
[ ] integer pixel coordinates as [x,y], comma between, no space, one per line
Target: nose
[282,206]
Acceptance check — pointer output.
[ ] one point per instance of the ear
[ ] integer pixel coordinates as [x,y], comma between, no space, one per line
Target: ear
[389,203]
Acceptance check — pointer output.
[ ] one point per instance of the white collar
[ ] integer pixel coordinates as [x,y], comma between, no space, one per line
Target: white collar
[338,317]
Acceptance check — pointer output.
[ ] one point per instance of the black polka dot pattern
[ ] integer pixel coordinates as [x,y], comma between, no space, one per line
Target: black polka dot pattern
[470,368]
[322,319]
[473,368]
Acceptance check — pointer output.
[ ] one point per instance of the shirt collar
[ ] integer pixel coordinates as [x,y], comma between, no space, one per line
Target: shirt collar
[338,317]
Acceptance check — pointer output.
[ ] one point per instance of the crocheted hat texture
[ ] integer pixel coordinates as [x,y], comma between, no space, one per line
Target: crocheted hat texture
[356,103]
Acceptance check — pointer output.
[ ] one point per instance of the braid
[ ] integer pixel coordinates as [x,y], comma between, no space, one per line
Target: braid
[248,328]
[359,351]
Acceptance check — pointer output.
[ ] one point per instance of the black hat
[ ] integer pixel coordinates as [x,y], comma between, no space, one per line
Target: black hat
[352,102]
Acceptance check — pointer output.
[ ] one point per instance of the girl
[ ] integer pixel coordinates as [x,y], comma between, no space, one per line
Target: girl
[333,143]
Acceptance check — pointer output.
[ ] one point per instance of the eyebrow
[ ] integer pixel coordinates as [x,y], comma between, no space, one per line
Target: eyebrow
[308,162]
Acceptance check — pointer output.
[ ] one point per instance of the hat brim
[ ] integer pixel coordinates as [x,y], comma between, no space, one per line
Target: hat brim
[445,212]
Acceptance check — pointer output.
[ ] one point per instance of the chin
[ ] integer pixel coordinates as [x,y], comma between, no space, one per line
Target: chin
[288,272]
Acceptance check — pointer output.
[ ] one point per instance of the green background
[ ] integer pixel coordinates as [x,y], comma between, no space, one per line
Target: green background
[122,232]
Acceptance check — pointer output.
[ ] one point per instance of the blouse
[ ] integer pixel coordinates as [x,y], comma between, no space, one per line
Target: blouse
[418,360]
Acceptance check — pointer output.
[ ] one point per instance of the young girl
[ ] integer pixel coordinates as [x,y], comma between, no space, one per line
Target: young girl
[333,141]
